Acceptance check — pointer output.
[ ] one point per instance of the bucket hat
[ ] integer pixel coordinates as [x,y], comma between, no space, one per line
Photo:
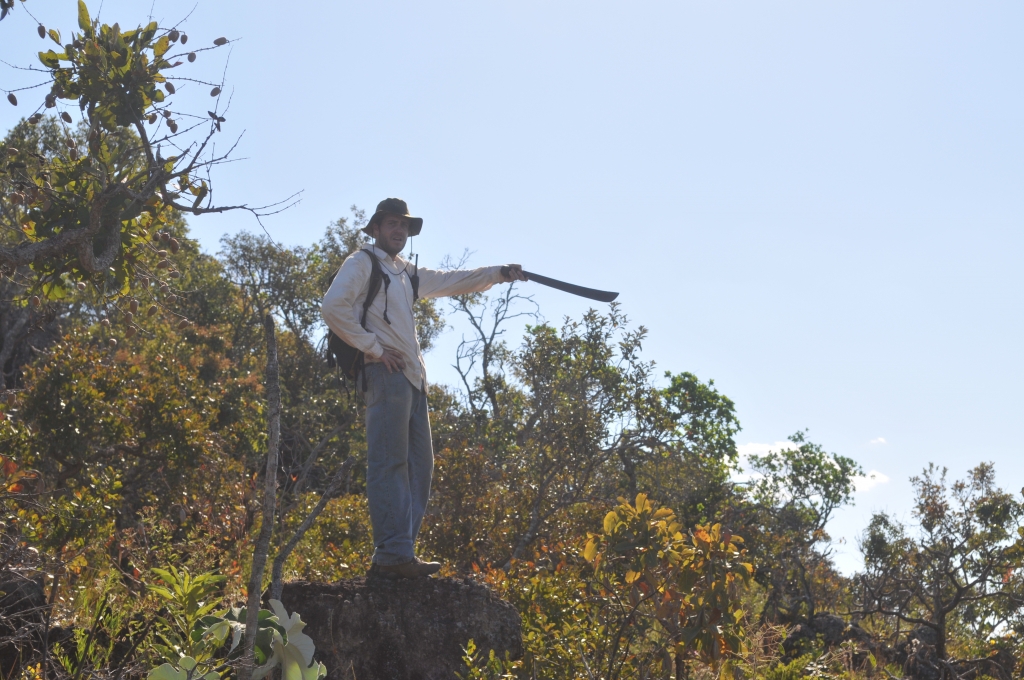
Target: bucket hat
[395,206]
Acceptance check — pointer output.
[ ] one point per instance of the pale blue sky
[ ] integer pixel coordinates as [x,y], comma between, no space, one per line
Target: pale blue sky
[816,204]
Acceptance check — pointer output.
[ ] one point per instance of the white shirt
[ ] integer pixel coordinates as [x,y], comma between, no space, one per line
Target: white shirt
[343,305]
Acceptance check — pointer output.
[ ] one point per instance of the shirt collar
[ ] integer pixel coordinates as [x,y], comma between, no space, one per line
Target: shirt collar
[399,263]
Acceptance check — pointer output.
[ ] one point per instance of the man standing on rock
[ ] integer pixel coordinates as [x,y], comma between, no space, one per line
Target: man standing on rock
[399,456]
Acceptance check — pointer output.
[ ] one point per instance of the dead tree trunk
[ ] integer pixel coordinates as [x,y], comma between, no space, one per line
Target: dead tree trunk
[259,559]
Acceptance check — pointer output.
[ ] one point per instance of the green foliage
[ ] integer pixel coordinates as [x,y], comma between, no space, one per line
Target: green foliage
[796,492]
[690,584]
[187,600]
[564,625]
[185,669]
[337,546]
[794,670]
[960,569]
[194,637]
[83,208]
[705,418]
[109,431]
[544,429]
[490,667]
[804,477]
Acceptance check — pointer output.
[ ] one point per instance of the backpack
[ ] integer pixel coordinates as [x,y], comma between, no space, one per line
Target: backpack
[340,354]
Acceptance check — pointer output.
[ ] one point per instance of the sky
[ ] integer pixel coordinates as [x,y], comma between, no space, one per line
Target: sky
[816,205]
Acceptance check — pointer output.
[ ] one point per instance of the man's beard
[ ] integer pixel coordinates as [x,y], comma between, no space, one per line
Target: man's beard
[387,248]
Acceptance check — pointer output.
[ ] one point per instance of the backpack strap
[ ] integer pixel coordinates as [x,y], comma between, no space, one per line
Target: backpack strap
[376,279]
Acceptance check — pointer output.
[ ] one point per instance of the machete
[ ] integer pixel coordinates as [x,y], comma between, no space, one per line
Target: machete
[599,295]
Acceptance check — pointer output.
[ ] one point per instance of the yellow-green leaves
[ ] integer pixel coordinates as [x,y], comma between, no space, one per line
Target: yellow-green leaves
[84,22]
[689,583]
[610,521]
[51,59]
[161,46]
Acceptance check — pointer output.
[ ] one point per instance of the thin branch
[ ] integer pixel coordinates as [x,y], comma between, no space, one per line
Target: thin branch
[259,559]
[276,583]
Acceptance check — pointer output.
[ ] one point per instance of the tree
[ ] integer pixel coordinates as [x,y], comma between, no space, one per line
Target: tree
[83,211]
[552,416]
[793,495]
[192,288]
[690,470]
[964,554]
[543,438]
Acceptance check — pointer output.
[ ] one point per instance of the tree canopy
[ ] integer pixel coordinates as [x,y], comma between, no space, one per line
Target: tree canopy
[90,204]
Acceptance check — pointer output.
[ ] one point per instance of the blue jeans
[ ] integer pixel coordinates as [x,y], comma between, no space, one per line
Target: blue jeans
[399,463]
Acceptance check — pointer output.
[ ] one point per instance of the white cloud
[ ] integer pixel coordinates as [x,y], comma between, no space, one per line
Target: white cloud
[879,440]
[862,483]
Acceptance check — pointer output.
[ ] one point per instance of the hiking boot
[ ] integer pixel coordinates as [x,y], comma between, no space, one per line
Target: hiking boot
[414,569]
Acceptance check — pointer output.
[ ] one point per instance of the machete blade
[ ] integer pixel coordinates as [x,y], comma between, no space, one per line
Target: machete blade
[591,293]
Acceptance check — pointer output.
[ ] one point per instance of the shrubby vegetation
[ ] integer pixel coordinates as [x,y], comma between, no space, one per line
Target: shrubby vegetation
[596,495]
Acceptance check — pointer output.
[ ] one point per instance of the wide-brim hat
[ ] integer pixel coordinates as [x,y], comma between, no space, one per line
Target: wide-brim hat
[395,206]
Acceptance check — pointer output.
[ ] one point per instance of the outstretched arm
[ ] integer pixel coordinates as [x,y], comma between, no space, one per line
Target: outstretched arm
[436,283]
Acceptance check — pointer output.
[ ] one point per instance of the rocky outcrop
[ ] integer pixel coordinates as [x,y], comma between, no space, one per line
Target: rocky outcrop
[374,629]
[831,630]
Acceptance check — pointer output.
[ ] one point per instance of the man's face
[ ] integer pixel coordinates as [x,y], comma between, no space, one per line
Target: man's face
[391,233]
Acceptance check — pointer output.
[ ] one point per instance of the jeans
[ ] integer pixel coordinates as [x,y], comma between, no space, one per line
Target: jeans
[399,463]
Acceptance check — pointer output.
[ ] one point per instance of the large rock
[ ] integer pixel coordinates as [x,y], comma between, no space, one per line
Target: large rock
[828,632]
[828,629]
[374,629]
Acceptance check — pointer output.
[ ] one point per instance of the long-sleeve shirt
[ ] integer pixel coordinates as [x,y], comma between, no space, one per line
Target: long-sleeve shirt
[343,305]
